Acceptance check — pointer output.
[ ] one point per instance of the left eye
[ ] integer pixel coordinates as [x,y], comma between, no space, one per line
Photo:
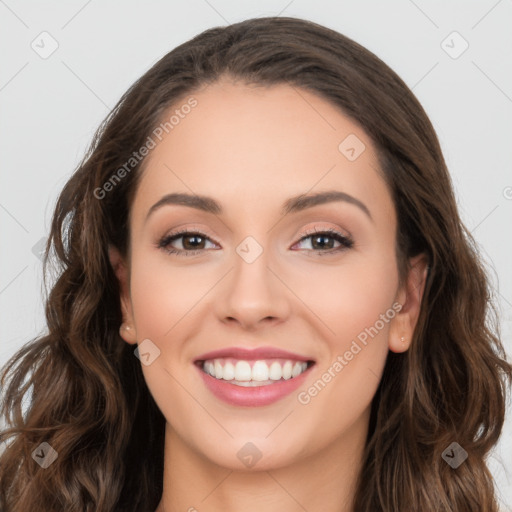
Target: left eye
[318,238]
[193,242]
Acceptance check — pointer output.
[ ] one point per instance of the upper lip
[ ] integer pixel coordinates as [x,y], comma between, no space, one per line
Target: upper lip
[252,354]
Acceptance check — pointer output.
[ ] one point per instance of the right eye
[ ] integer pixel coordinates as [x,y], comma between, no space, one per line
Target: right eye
[192,243]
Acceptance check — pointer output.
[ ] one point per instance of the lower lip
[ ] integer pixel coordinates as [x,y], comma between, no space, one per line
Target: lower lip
[252,396]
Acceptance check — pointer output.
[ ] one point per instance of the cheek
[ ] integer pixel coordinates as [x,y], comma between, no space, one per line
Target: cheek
[354,303]
[347,297]
[163,299]
[161,293]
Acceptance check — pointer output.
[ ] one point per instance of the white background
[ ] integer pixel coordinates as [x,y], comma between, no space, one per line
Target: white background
[50,108]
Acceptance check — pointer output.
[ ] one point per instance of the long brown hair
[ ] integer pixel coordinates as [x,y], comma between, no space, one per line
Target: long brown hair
[88,397]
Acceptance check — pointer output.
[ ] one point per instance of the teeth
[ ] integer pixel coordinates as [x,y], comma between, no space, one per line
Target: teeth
[218,369]
[210,368]
[228,372]
[242,371]
[288,370]
[261,373]
[297,370]
[276,371]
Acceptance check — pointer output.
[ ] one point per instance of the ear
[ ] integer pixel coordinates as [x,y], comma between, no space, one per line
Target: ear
[121,269]
[409,297]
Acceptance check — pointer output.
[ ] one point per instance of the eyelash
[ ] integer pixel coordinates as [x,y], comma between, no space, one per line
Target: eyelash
[346,242]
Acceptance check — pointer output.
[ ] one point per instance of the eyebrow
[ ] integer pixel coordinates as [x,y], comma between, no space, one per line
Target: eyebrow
[291,205]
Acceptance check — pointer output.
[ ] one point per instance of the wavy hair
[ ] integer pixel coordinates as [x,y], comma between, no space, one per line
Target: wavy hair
[80,388]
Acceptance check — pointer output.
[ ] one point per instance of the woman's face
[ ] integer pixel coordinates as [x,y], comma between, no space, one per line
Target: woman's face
[257,276]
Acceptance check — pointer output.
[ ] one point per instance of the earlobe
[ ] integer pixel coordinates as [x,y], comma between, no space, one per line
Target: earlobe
[127,332]
[399,345]
[127,329]
[410,298]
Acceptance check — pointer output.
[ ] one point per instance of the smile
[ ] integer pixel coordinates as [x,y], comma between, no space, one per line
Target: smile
[256,383]
[254,373]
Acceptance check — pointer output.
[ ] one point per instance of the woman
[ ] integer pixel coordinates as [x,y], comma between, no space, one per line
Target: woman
[267,299]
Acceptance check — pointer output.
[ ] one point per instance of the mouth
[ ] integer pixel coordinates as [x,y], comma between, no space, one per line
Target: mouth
[253,373]
[248,378]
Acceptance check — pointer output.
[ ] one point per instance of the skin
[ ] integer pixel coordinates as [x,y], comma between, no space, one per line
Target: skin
[251,148]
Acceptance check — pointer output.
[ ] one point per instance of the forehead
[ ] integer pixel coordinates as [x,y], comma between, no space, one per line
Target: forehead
[253,147]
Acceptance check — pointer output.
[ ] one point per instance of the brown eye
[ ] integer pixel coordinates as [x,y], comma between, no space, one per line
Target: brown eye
[192,243]
[318,241]
[323,241]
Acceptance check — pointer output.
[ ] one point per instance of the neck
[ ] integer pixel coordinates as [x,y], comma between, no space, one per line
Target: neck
[323,481]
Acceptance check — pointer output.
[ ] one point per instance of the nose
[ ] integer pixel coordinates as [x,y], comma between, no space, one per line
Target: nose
[253,295]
